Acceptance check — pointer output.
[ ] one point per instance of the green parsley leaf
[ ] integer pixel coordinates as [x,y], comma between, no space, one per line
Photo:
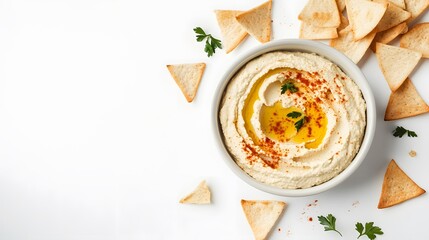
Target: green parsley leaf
[216,42]
[294,114]
[400,132]
[370,230]
[209,49]
[412,134]
[329,223]
[200,38]
[211,42]
[199,30]
[289,86]
[359,228]
[299,124]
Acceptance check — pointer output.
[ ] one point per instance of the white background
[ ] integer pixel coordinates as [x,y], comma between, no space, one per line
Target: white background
[98,142]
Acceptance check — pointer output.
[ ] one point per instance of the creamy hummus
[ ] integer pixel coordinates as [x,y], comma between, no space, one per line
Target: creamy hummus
[292,120]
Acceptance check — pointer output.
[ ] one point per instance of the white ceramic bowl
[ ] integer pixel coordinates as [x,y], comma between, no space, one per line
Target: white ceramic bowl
[349,68]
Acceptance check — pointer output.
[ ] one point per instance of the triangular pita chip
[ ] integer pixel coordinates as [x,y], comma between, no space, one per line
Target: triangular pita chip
[262,215]
[396,63]
[393,16]
[351,48]
[405,102]
[399,3]
[232,32]
[257,21]
[201,195]
[397,187]
[364,15]
[416,8]
[417,39]
[321,13]
[188,77]
[388,35]
[341,5]
[309,31]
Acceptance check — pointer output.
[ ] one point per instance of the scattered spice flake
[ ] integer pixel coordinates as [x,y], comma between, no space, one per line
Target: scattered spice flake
[306,211]
[412,153]
[313,203]
[279,229]
[354,205]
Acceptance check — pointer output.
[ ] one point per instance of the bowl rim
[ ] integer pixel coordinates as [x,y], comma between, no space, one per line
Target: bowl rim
[345,64]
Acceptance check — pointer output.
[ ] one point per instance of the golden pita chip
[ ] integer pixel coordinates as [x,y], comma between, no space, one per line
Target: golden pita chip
[417,38]
[309,31]
[397,187]
[344,23]
[257,21]
[405,28]
[345,43]
[396,63]
[232,32]
[262,215]
[321,13]
[201,195]
[405,102]
[388,35]
[364,15]
[399,3]
[393,16]
[187,77]
[416,8]
[341,4]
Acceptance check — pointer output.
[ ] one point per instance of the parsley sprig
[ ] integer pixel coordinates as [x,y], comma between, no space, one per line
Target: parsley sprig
[400,131]
[329,223]
[298,124]
[294,114]
[289,86]
[211,42]
[370,230]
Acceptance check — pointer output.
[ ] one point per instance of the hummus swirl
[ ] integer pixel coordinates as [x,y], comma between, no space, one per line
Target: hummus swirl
[292,120]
